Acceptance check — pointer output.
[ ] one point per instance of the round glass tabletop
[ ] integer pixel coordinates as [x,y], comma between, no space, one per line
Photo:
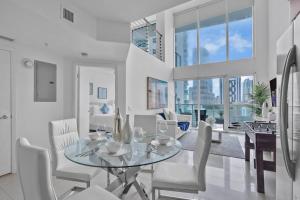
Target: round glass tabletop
[146,151]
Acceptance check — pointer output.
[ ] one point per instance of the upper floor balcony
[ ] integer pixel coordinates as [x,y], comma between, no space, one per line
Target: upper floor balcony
[145,36]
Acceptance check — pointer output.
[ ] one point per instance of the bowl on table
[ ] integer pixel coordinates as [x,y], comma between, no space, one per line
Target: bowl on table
[112,146]
[163,139]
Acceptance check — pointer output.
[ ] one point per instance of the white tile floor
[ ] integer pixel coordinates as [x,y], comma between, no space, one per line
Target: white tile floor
[227,178]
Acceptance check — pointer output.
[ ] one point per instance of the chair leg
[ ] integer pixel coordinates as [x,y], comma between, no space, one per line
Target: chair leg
[88,184]
[107,179]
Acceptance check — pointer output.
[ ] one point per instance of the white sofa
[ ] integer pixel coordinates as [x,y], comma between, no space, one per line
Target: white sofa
[150,124]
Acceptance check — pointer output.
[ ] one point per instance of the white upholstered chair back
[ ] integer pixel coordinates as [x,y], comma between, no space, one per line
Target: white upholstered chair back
[202,151]
[34,171]
[62,133]
[147,122]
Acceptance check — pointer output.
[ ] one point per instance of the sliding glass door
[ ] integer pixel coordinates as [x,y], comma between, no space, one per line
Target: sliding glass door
[201,99]
[240,108]
[228,103]
[186,99]
[211,101]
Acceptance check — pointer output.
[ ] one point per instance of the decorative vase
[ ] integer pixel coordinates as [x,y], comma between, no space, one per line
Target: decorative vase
[117,133]
[127,131]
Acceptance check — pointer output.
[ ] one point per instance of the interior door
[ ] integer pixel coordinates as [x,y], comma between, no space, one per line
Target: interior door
[5,113]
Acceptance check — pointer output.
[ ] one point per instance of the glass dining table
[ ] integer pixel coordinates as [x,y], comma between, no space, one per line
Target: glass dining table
[126,163]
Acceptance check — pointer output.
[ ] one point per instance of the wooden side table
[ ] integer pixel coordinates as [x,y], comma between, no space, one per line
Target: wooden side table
[260,141]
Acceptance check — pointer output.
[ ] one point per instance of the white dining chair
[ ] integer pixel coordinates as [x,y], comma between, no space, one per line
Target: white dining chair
[63,133]
[183,177]
[34,172]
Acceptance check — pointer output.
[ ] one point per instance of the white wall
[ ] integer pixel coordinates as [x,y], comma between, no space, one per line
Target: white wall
[258,65]
[30,119]
[51,10]
[101,77]
[139,66]
[113,31]
[278,23]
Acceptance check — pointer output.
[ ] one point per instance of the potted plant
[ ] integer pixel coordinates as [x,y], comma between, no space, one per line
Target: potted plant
[220,119]
[259,96]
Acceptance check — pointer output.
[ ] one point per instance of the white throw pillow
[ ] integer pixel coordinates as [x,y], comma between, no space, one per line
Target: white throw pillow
[167,113]
[96,110]
[173,116]
[159,117]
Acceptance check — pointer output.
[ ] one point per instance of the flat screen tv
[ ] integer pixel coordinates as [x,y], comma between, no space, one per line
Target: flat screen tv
[157,93]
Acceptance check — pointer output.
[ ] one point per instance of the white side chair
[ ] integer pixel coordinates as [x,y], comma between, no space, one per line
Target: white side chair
[147,122]
[34,171]
[150,124]
[63,133]
[183,177]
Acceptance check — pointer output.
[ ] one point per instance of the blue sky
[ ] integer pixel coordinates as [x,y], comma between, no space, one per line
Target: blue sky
[213,41]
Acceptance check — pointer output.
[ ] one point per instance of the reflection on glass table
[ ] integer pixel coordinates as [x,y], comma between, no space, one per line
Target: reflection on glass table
[124,164]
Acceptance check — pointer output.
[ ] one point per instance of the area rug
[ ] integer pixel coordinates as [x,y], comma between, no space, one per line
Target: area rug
[230,145]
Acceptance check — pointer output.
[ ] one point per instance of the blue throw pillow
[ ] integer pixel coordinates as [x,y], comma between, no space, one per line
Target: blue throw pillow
[184,126]
[104,109]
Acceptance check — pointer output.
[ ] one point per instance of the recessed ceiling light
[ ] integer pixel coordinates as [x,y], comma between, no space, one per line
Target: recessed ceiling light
[84,54]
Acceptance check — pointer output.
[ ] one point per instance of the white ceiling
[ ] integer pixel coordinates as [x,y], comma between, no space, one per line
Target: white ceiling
[125,10]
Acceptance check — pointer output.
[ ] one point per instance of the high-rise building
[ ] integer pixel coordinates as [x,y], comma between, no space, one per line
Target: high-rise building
[247,90]
[235,89]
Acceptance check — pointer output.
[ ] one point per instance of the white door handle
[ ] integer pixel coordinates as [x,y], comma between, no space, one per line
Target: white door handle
[4,117]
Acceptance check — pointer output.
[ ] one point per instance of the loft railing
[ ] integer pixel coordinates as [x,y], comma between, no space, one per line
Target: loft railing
[146,37]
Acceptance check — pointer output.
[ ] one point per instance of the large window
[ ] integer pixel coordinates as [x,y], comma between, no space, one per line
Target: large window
[240,34]
[213,33]
[201,99]
[240,90]
[206,98]
[186,40]
[186,99]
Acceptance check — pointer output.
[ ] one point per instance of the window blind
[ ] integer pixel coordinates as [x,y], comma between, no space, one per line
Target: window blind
[213,9]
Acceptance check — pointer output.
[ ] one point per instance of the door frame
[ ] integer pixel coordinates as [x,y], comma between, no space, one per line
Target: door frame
[113,66]
[12,109]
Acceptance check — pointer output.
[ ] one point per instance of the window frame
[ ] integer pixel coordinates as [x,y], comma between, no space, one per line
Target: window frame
[197,9]
[226,98]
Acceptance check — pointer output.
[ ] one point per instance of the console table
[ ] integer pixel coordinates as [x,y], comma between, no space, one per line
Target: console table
[261,137]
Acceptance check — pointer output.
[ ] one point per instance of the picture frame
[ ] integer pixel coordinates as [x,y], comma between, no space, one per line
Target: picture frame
[157,93]
[102,93]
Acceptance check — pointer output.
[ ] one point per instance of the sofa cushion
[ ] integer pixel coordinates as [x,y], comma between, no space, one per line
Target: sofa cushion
[167,113]
[184,126]
[173,116]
